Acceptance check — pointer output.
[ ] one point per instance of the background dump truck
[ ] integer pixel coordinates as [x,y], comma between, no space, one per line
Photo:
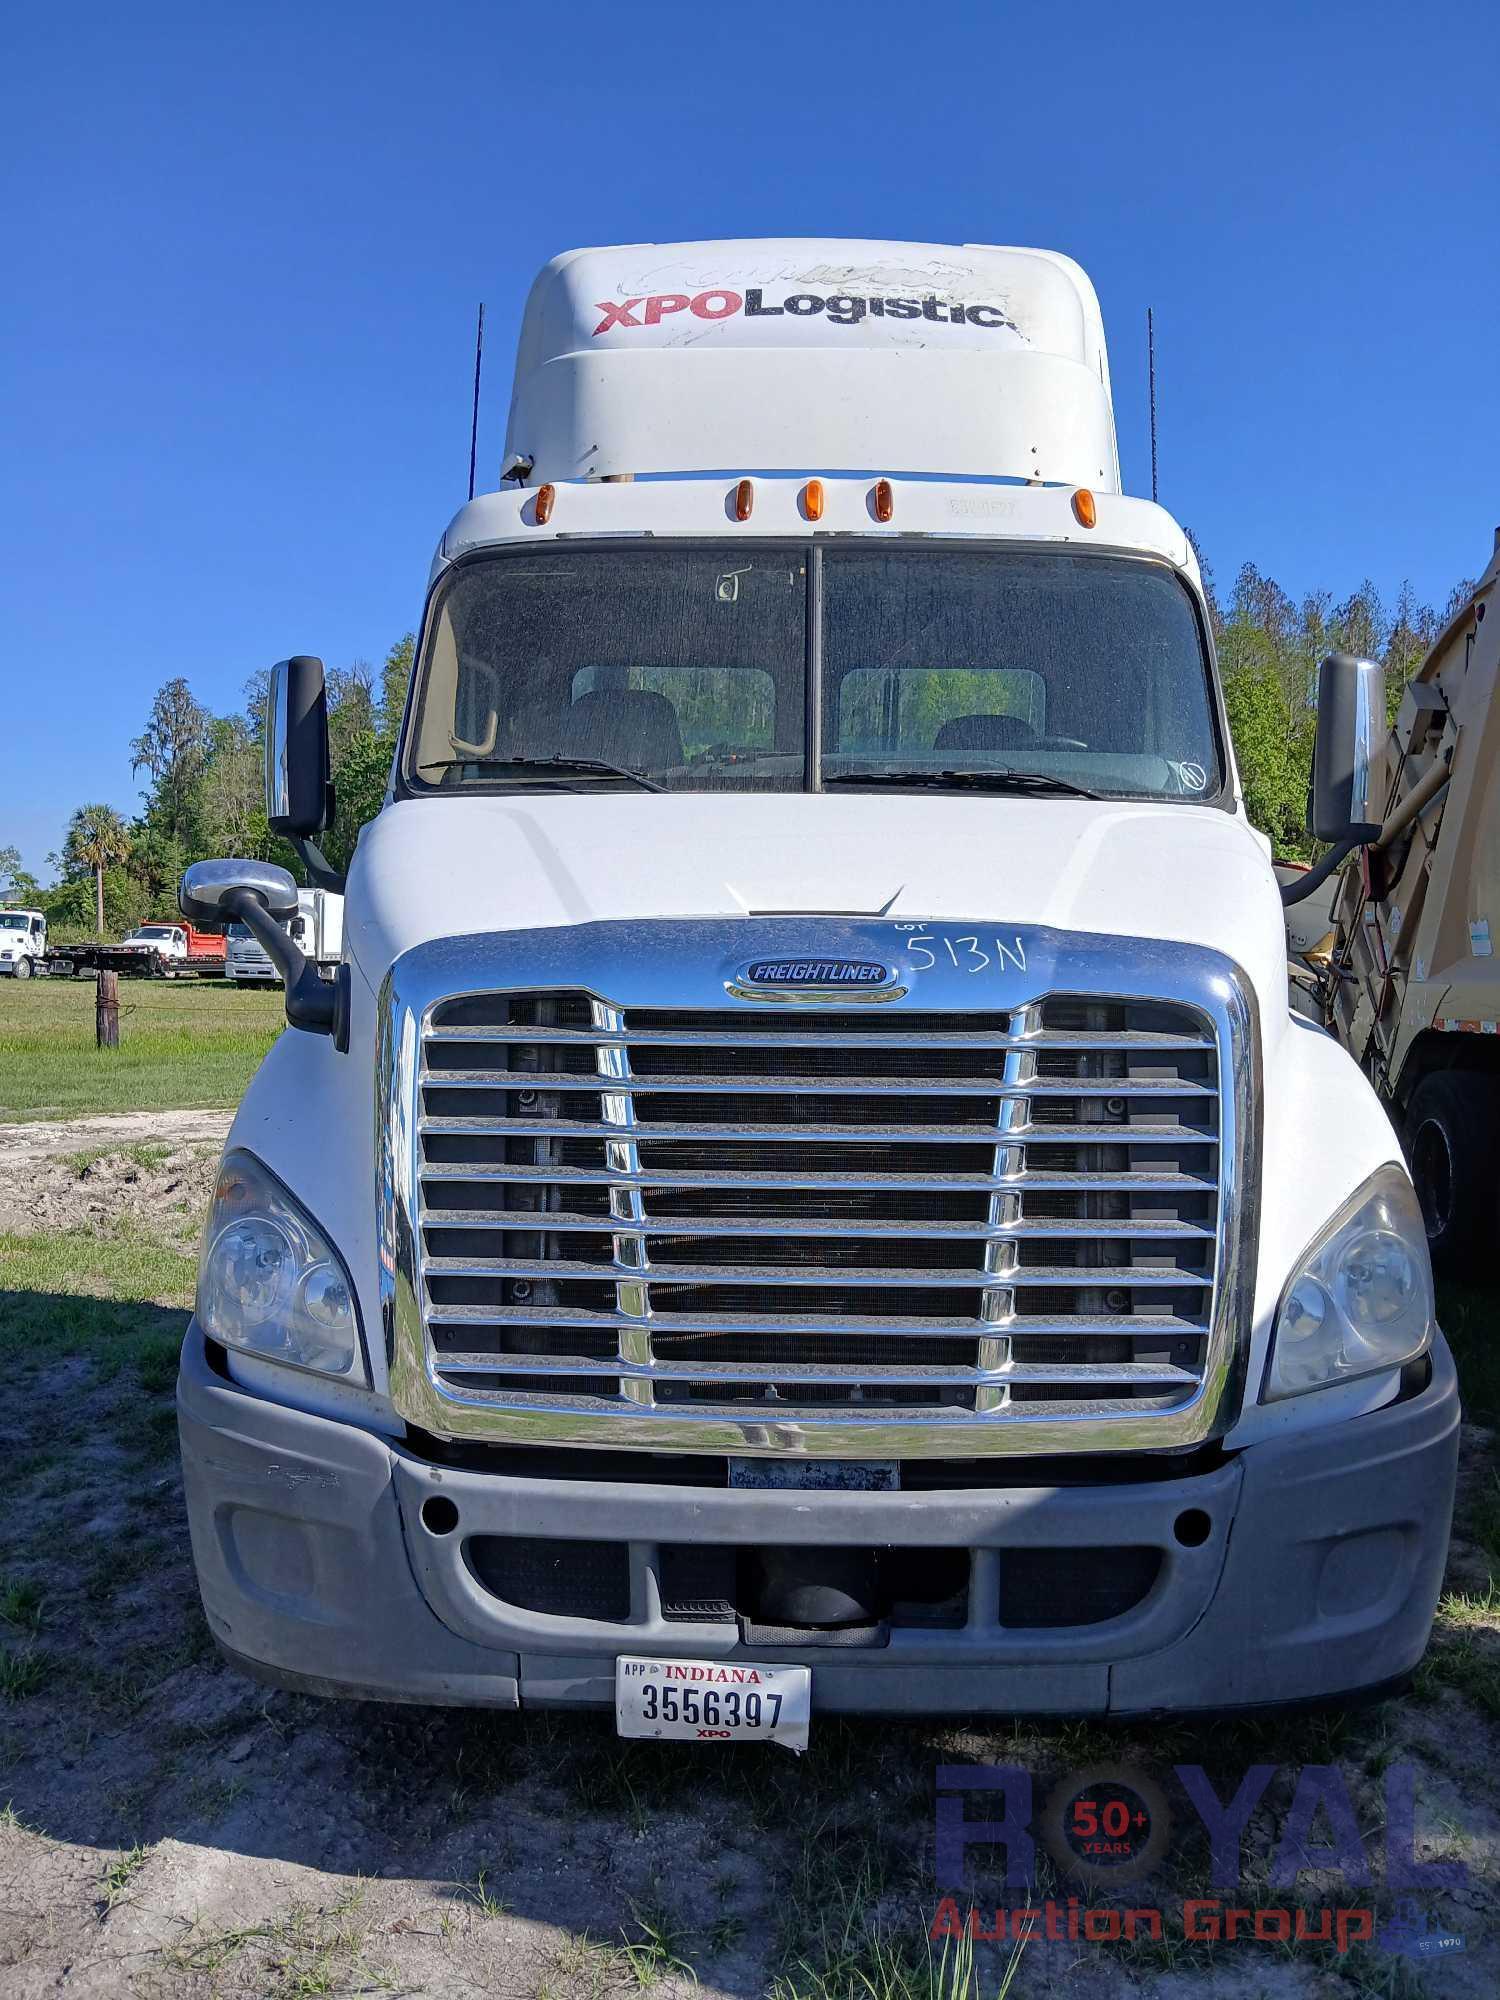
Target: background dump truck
[1412,984]
[169,949]
[317,929]
[849,1218]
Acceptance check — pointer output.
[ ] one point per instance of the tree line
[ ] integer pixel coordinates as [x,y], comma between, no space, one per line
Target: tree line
[203,794]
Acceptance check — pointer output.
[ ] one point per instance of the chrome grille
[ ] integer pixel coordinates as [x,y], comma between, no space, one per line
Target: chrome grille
[959,1218]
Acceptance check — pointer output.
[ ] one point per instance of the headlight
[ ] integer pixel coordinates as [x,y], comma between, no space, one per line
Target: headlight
[270,1282]
[1360,1301]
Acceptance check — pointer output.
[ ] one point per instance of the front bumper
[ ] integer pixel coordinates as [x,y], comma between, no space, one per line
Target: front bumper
[1297,1570]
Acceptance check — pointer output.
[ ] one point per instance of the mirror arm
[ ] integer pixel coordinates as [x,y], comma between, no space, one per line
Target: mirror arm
[320,870]
[311,1003]
[1316,876]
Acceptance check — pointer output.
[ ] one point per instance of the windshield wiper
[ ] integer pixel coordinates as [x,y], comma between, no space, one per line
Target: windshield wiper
[980,777]
[579,766]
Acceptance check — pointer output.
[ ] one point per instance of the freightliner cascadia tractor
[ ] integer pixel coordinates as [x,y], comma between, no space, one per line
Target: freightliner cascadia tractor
[806,1192]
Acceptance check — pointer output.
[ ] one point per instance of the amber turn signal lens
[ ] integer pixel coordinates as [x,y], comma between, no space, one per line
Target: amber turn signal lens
[744,499]
[885,500]
[545,495]
[1084,510]
[812,499]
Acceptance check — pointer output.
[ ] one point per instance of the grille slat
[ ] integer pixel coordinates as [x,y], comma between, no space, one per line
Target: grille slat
[1126,1374]
[1061,1230]
[611,1203]
[508,1172]
[1122,1275]
[1140,1326]
[815,1084]
[750,1038]
[976,1135]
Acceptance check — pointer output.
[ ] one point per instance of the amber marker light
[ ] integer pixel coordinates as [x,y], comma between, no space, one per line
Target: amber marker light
[812,499]
[545,495]
[1085,513]
[744,499]
[885,500]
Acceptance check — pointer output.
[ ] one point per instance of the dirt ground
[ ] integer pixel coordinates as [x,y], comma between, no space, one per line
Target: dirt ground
[169,1829]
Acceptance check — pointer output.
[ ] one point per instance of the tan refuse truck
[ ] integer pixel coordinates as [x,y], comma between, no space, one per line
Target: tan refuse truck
[1412,985]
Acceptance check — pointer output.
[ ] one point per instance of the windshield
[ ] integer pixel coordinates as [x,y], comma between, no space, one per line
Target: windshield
[12,920]
[690,670]
[153,931]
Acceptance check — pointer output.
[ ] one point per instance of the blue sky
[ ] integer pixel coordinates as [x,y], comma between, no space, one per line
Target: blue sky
[242,248]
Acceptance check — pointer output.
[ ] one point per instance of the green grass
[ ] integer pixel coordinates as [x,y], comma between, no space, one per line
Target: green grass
[22,1672]
[1467,1316]
[183,1046]
[21,1603]
[119,1299]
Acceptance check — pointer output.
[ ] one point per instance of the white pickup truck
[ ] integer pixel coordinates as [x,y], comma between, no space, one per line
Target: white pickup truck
[807,1183]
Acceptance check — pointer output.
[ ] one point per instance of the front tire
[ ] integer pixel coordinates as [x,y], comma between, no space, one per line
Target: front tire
[23,968]
[1451,1127]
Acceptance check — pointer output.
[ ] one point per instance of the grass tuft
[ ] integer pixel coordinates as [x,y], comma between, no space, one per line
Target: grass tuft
[23,1672]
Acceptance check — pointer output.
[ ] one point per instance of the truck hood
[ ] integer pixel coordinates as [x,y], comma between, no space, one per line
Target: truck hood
[447,867]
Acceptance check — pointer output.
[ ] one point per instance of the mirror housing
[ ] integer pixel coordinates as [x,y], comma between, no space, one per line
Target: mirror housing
[201,893]
[299,772]
[263,897]
[1351,733]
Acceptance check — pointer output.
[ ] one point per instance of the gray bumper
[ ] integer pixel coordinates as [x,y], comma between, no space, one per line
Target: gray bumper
[1317,1575]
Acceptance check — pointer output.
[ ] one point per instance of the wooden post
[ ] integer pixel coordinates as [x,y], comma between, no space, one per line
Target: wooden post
[107,1010]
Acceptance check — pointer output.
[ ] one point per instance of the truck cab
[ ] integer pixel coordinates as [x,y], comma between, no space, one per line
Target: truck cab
[846,1194]
[23,942]
[162,942]
[316,929]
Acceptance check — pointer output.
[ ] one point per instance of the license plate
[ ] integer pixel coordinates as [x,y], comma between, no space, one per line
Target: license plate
[713,1701]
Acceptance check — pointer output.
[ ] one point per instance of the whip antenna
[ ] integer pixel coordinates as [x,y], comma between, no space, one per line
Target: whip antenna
[1151,377]
[474,425]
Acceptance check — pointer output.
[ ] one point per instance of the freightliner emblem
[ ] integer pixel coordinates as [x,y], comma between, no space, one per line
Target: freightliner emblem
[860,973]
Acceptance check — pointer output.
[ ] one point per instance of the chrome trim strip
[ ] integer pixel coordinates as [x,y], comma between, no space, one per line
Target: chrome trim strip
[1127,1277]
[683,966]
[873,1135]
[703,1038]
[1122,1373]
[1063,1230]
[819,1086]
[577,1319]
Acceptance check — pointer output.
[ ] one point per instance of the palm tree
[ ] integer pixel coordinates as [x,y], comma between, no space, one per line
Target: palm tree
[99,837]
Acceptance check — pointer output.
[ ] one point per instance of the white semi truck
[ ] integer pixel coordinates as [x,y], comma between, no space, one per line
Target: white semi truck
[807,1192]
[23,942]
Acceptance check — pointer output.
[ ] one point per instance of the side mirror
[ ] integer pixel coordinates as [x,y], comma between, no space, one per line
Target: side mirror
[1351,731]
[299,785]
[201,893]
[263,897]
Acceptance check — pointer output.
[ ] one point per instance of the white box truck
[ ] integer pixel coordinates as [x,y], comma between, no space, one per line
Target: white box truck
[317,929]
[807,1185]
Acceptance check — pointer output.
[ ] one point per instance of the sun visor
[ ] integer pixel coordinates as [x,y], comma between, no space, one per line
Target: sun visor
[834,356]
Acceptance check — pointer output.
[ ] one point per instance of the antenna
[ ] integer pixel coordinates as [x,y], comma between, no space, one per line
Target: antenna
[474,426]
[1151,376]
